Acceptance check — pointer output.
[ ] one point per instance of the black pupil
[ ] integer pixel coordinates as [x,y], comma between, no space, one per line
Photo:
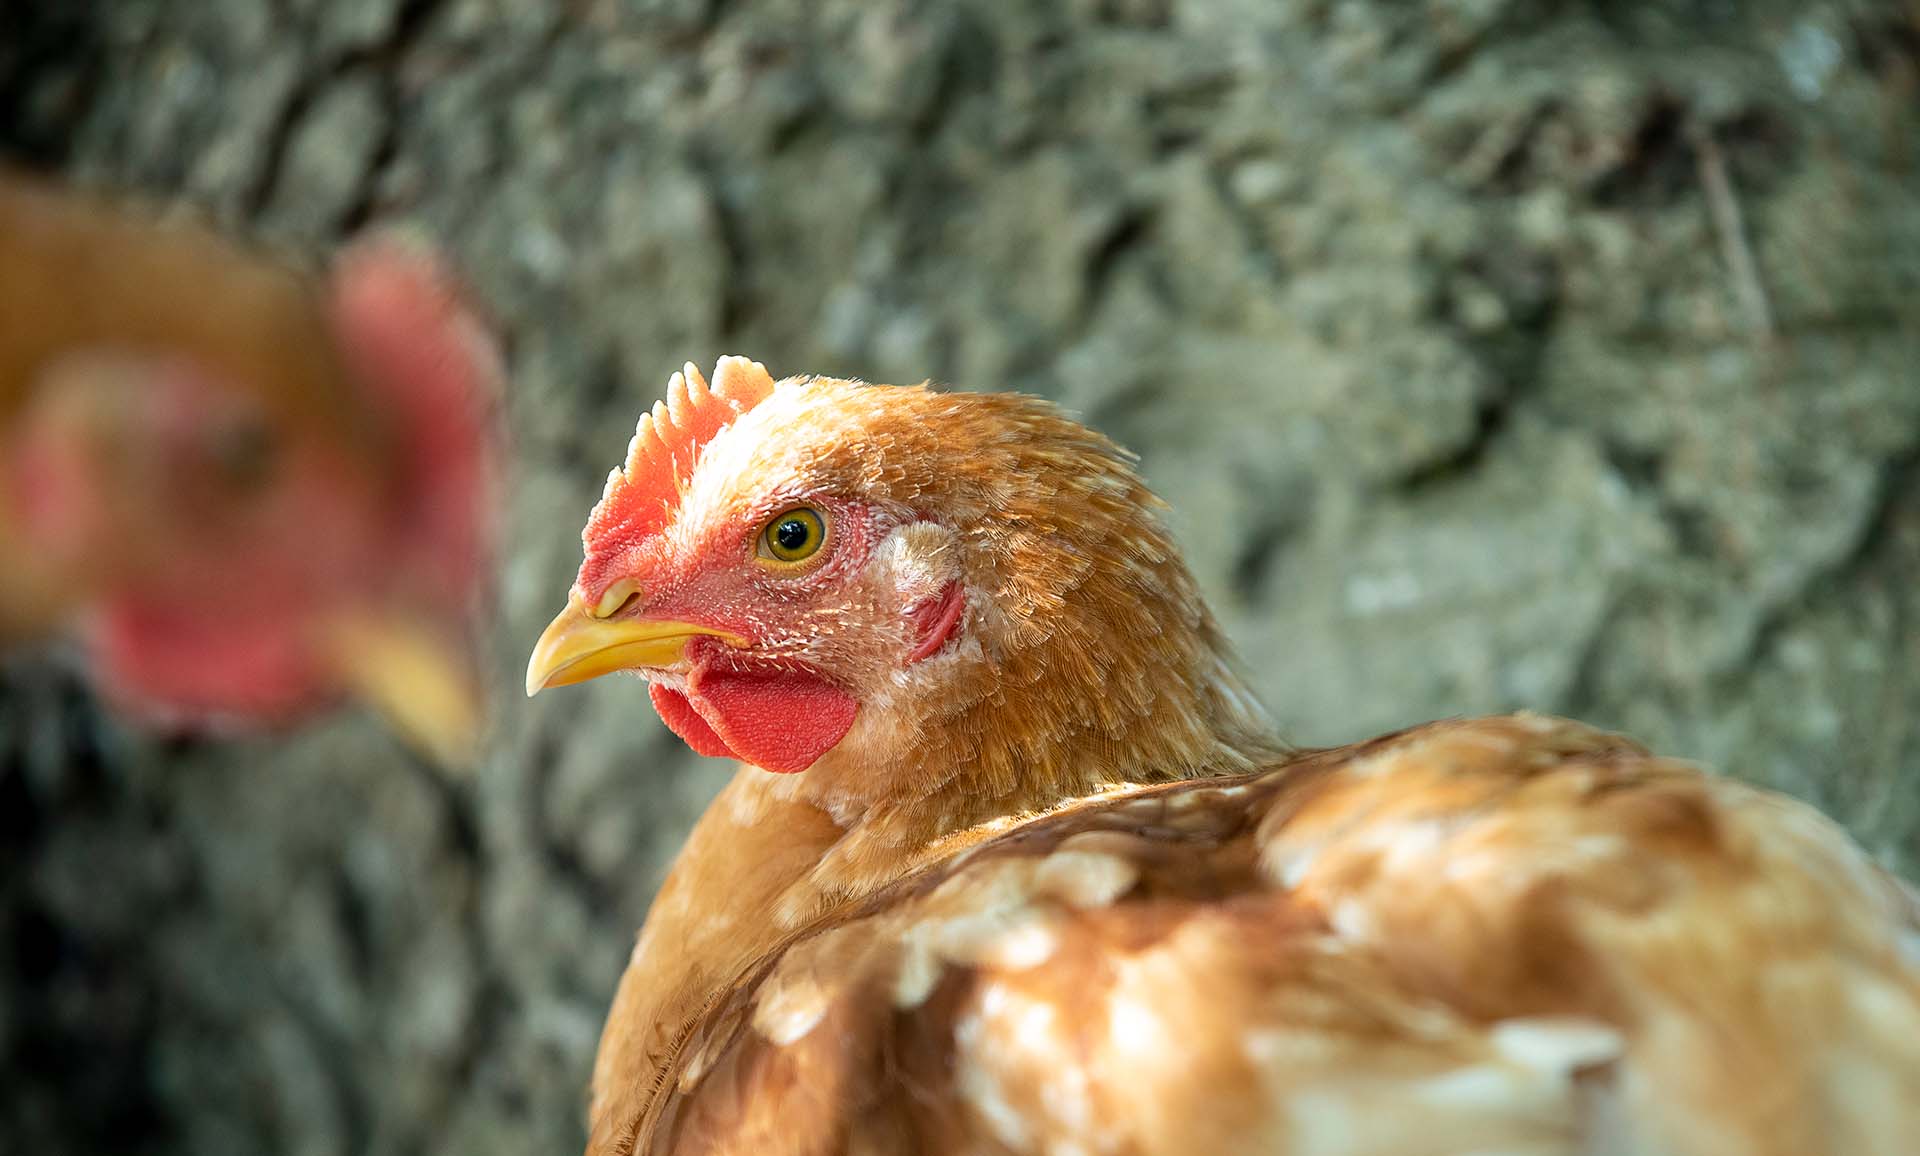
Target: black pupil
[792,534]
[244,452]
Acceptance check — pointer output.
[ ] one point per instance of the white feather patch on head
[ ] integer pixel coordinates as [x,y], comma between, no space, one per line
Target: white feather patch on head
[922,557]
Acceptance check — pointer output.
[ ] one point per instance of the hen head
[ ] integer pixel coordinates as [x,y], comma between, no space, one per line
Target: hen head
[233,562]
[890,586]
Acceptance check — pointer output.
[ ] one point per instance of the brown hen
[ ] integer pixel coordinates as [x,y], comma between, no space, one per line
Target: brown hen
[1040,879]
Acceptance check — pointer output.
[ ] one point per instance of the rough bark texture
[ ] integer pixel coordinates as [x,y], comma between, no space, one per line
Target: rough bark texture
[1493,353]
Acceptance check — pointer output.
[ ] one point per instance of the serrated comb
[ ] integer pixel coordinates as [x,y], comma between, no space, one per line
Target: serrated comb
[642,495]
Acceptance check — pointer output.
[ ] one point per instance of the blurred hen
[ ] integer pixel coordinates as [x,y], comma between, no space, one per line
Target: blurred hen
[248,494]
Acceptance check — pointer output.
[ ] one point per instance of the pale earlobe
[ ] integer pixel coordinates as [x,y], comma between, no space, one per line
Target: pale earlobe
[922,558]
[924,561]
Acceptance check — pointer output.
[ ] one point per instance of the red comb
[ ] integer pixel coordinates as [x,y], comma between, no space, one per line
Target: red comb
[641,496]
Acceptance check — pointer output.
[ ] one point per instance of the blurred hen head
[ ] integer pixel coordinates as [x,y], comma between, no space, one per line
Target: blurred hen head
[825,574]
[232,561]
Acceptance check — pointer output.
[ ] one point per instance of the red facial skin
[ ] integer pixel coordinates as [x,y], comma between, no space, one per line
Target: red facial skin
[935,620]
[783,700]
[209,587]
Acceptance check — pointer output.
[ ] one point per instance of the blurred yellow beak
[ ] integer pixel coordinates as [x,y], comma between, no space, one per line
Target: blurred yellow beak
[576,646]
[425,689]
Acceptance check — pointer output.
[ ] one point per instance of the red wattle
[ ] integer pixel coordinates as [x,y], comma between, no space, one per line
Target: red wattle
[686,722]
[779,720]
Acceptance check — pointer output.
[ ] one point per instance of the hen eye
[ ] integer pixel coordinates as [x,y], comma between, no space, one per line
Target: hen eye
[244,454]
[794,536]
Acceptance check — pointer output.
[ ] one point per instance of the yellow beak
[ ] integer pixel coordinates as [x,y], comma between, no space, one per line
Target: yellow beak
[424,687]
[576,646]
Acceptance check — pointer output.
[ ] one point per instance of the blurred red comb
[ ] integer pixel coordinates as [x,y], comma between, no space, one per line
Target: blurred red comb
[431,365]
[641,497]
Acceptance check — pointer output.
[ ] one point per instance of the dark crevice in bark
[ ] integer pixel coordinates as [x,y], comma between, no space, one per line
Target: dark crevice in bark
[339,1061]
[279,142]
[386,62]
[1584,696]
[1255,560]
[736,294]
[1128,234]
[77,1043]
[1897,493]
[52,64]
[563,865]
[1514,362]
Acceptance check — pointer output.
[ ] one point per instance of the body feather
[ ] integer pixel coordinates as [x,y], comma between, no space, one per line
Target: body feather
[1504,935]
[1060,890]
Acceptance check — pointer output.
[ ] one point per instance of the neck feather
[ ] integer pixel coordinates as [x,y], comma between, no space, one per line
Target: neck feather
[780,851]
[1086,657]
[1087,661]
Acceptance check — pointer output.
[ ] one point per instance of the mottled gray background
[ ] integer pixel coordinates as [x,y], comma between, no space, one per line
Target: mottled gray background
[1493,353]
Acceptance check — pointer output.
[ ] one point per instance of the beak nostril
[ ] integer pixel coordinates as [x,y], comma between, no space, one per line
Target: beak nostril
[618,597]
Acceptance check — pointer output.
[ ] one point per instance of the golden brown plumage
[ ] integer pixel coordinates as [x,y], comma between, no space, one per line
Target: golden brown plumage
[1055,890]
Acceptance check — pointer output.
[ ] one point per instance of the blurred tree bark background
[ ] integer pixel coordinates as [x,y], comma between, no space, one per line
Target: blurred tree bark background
[1493,354]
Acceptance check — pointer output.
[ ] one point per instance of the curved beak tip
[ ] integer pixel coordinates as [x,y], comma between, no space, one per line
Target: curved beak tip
[424,687]
[576,646]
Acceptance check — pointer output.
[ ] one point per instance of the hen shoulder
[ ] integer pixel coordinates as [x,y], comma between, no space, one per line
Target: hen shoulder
[1512,935]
